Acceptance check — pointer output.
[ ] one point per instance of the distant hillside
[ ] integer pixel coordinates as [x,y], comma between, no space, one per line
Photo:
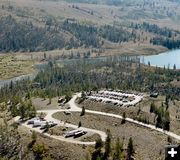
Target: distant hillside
[115,2]
[34,26]
[178,1]
[25,36]
[112,2]
[109,2]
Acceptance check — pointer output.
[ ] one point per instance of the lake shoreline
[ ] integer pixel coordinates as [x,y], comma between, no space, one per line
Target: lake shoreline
[40,65]
[169,59]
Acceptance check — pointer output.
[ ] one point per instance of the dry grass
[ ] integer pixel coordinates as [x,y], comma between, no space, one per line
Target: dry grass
[91,138]
[41,104]
[174,109]
[23,63]
[131,48]
[148,144]
[140,110]
[56,149]
[144,106]
[59,130]
[103,14]
[10,67]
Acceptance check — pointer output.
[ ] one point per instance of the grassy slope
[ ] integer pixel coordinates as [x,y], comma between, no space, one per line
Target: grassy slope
[143,138]
[56,149]
[103,14]
[10,66]
[144,106]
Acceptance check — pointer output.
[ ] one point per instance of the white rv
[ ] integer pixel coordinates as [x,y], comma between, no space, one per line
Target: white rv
[38,123]
[31,121]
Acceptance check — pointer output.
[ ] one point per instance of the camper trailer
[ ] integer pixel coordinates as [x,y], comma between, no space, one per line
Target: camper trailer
[31,121]
[38,123]
[50,123]
[79,134]
[75,133]
[71,133]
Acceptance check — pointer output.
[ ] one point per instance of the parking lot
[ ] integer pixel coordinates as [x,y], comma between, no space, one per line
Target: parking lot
[116,97]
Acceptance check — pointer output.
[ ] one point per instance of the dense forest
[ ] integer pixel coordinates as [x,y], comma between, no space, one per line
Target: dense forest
[87,35]
[116,35]
[109,73]
[169,43]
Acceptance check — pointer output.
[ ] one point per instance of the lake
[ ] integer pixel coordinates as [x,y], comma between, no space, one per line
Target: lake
[164,59]
[167,59]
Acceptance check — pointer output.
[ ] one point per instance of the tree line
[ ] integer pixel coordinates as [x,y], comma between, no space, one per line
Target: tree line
[25,36]
[86,34]
[115,34]
[163,36]
[166,42]
[153,28]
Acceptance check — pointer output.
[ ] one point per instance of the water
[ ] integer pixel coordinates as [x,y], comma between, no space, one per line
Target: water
[8,81]
[167,59]
[27,76]
[69,61]
[164,59]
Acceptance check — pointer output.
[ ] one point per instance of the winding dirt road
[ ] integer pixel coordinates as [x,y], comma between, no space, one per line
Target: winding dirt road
[75,108]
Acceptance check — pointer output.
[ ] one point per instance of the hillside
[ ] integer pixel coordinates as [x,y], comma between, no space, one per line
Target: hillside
[47,25]
[158,12]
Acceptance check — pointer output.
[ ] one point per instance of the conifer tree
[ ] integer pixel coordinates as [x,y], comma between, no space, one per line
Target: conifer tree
[83,111]
[130,149]
[107,145]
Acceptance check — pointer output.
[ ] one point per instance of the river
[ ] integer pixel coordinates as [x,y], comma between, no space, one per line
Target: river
[7,81]
[164,59]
